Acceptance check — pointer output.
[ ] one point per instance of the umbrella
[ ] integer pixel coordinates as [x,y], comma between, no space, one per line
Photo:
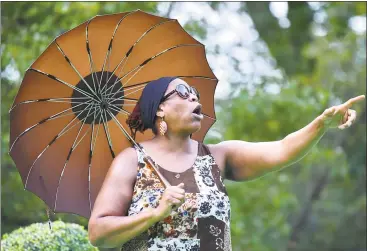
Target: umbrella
[68,120]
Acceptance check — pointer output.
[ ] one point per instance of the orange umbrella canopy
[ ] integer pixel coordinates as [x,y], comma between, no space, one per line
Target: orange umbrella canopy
[68,120]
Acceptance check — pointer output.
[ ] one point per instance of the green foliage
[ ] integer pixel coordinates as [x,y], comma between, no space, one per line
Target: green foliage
[196,27]
[38,236]
[285,44]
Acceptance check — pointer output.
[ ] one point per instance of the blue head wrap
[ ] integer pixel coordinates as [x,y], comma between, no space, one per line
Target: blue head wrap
[151,98]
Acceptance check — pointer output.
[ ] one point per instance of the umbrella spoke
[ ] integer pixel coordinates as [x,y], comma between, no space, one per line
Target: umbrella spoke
[107,132]
[72,66]
[82,137]
[132,141]
[203,77]
[141,66]
[91,151]
[127,94]
[75,123]
[121,90]
[109,51]
[124,99]
[130,104]
[132,47]
[107,58]
[43,121]
[104,64]
[64,115]
[136,69]
[209,117]
[91,64]
[120,110]
[113,85]
[73,147]
[65,83]
[55,100]
[157,55]
[113,94]
[62,132]
[92,147]
[146,82]
[111,100]
[136,85]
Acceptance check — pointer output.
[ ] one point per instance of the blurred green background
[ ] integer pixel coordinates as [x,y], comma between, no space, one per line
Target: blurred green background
[280,65]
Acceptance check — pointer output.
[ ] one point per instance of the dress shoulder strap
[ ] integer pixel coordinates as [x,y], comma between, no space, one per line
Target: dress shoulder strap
[139,154]
[203,149]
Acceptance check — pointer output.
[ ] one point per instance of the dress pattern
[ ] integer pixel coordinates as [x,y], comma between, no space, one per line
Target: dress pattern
[201,223]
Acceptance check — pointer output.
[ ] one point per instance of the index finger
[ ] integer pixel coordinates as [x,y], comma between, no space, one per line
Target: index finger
[177,189]
[351,101]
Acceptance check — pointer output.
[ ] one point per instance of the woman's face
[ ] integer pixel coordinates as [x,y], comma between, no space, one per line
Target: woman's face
[178,112]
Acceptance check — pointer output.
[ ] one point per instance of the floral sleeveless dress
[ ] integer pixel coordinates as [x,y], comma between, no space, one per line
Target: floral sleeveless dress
[201,223]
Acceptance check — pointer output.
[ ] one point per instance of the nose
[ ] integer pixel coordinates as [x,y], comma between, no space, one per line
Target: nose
[193,97]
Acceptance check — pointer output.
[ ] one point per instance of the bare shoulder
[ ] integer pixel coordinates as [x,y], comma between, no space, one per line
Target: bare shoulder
[124,166]
[127,156]
[115,195]
[219,154]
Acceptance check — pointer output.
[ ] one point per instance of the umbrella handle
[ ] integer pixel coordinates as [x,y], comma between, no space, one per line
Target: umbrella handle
[160,176]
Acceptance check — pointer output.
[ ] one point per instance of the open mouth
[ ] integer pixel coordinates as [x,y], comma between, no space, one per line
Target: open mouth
[197,110]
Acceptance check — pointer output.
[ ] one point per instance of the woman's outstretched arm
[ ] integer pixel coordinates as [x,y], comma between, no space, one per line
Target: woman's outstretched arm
[240,160]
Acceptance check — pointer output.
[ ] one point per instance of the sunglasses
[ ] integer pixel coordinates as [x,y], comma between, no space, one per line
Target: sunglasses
[183,92]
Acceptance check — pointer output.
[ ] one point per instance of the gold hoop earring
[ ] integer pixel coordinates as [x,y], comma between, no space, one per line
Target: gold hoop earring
[162,127]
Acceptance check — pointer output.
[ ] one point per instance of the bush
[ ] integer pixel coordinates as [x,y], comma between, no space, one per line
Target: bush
[38,236]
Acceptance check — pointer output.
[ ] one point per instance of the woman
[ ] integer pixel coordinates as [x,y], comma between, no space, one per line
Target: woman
[134,210]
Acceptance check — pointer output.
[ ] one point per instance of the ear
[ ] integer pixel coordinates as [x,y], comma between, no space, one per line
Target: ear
[160,114]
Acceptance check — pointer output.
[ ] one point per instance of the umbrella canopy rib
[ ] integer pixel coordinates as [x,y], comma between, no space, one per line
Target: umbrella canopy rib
[181,76]
[120,110]
[117,81]
[209,117]
[123,97]
[44,121]
[91,152]
[72,66]
[109,50]
[56,100]
[73,147]
[90,58]
[107,132]
[132,141]
[65,83]
[144,83]
[140,38]
[62,132]
[139,67]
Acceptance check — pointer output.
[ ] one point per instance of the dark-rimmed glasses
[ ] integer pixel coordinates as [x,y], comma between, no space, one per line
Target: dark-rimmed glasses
[183,92]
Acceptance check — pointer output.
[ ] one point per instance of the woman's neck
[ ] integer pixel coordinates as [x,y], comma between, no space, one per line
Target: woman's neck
[175,143]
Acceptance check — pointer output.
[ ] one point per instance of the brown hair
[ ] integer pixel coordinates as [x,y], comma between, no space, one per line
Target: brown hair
[135,122]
